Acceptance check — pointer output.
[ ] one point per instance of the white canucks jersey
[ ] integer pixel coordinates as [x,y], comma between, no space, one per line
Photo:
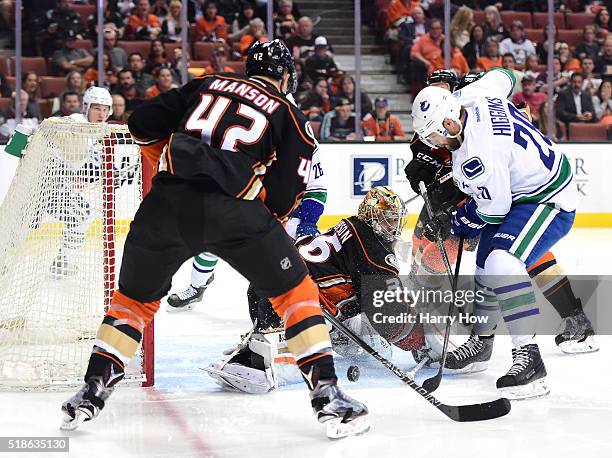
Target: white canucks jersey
[503,158]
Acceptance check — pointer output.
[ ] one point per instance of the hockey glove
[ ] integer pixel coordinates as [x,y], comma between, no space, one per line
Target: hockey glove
[439,226]
[423,167]
[466,222]
[308,213]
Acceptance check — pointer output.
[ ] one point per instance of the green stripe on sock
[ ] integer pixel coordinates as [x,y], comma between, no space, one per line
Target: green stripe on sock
[517,301]
[205,262]
[320,196]
[532,231]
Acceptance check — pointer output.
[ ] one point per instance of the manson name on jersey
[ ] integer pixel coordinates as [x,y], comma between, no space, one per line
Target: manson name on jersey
[247,91]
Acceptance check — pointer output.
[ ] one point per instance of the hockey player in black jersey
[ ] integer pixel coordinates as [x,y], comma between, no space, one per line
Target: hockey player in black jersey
[216,141]
[338,260]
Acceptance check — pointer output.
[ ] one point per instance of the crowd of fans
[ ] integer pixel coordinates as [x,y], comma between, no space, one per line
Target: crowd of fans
[59,30]
[482,37]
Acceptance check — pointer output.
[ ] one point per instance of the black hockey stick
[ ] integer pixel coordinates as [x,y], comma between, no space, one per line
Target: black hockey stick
[432,384]
[470,412]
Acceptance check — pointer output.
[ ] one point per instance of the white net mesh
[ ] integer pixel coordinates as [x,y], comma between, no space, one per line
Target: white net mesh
[62,228]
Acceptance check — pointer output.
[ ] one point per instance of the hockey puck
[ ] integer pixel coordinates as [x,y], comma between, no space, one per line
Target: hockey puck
[352,373]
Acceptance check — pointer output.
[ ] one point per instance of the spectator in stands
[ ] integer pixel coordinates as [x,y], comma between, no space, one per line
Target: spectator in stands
[518,44]
[304,83]
[5,89]
[320,64]
[568,62]
[588,47]
[533,99]
[602,102]
[91,75]
[317,102]
[602,25]
[171,26]
[8,120]
[603,64]
[493,25]
[560,79]
[157,57]
[211,26]
[460,26]
[74,82]
[241,24]
[132,94]
[7,13]
[346,90]
[125,7]
[219,61]
[119,113]
[143,80]
[424,51]
[436,9]
[409,31]
[160,9]
[591,83]
[30,84]
[339,124]
[475,47]
[509,63]
[62,20]
[164,81]
[112,19]
[542,46]
[70,104]
[70,57]
[491,57]
[574,104]
[381,124]
[531,67]
[143,25]
[118,57]
[257,32]
[285,24]
[399,11]
[302,44]
[458,62]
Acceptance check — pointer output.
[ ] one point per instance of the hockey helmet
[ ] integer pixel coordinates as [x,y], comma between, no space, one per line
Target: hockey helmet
[384,211]
[429,109]
[443,76]
[468,78]
[272,58]
[97,95]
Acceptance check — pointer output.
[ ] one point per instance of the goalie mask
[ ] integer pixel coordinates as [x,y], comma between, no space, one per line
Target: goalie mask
[384,211]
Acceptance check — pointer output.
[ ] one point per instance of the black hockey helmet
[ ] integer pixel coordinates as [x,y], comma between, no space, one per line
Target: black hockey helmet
[468,78]
[443,76]
[272,58]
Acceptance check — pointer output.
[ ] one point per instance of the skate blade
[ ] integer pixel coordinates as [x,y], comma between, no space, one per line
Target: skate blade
[183,308]
[70,424]
[573,347]
[469,369]
[336,429]
[536,389]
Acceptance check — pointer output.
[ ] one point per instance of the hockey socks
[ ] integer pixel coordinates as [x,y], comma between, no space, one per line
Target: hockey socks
[555,285]
[202,269]
[306,332]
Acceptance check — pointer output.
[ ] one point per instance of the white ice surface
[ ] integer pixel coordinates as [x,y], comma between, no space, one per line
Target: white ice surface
[186,415]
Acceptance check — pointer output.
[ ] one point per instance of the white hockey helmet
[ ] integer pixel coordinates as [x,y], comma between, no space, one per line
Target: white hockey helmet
[429,109]
[97,95]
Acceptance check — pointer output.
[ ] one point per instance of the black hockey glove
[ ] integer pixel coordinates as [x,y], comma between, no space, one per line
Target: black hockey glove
[440,224]
[423,167]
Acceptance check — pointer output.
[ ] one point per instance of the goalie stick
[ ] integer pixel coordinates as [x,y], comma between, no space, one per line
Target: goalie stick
[469,412]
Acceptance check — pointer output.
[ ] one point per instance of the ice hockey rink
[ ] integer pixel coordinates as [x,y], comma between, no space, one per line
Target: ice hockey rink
[186,415]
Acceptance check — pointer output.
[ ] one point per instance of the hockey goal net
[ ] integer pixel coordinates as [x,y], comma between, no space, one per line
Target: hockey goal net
[63,224]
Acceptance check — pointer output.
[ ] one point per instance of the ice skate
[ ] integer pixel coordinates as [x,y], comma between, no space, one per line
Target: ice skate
[343,415]
[85,405]
[527,377]
[577,336]
[185,300]
[472,356]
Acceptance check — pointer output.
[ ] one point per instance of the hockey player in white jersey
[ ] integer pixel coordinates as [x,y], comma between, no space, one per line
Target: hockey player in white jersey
[68,205]
[522,201]
[303,222]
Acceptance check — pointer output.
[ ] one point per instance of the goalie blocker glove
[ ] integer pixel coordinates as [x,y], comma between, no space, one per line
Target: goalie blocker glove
[466,221]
